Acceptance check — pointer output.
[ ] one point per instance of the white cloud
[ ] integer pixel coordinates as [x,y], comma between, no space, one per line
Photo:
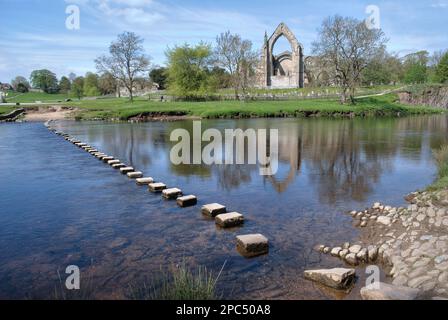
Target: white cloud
[440,4]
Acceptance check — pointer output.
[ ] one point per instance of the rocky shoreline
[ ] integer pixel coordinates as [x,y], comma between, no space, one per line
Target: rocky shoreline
[409,244]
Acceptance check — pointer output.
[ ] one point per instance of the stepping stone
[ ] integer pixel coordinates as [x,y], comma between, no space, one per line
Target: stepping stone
[108,158]
[144,181]
[111,162]
[92,151]
[229,220]
[118,166]
[172,193]
[338,278]
[252,245]
[135,175]
[157,187]
[213,209]
[187,201]
[81,144]
[86,147]
[101,156]
[126,170]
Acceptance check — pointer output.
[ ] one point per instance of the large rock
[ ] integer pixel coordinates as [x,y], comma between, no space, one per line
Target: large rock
[384,220]
[252,245]
[338,278]
[384,291]
[213,209]
[228,220]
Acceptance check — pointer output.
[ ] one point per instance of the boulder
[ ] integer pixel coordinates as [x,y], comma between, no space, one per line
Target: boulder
[213,209]
[157,187]
[335,251]
[351,259]
[126,170]
[172,193]
[252,245]
[135,175]
[338,278]
[144,181]
[229,220]
[187,201]
[384,291]
[384,220]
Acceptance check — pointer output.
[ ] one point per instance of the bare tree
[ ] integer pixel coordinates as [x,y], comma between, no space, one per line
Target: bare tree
[126,62]
[348,45]
[236,56]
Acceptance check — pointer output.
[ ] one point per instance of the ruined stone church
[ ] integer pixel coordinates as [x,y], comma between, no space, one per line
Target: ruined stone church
[291,69]
[285,70]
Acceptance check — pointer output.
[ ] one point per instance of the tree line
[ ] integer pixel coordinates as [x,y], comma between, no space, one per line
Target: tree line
[351,54]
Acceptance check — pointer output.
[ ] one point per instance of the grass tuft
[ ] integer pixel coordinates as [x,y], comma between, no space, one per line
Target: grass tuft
[181,283]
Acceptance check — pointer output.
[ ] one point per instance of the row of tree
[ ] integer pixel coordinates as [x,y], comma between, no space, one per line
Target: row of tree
[352,53]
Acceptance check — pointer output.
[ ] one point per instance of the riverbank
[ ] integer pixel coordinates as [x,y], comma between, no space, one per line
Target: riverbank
[123,110]
[144,110]
[410,244]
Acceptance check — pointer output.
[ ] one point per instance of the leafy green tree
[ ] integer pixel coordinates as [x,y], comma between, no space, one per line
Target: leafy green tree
[107,84]
[44,80]
[187,69]
[20,84]
[442,69]
[159,75]
[77,88]
[416,67]
[384,68]
[91,85]
[64,85]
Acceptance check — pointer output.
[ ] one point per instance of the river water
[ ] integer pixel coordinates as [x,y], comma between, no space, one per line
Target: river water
[59,206]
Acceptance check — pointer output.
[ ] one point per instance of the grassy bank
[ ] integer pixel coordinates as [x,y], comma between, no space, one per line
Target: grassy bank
[441,157]
[7,109]
[122,109]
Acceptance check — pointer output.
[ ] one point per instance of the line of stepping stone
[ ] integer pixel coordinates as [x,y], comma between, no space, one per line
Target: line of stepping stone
[250,245]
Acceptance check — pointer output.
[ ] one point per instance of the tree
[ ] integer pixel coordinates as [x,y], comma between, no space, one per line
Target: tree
[64,84]
[77,88]
[348,46]
[219,78]
[126,61]
[107,84]
[442,69]
[236,57]
[187,69]
[20,84]
[384,68]
[416,67]
[91,85]
[44,80]
[159,75]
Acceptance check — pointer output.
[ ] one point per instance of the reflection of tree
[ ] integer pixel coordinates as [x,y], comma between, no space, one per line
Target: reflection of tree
[232,176]
[341,157]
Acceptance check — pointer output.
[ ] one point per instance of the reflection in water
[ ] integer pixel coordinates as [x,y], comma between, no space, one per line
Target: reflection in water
[79,211]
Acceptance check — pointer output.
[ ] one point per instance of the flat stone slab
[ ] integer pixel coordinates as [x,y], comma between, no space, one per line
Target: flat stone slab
[229,220]
[135,175]
[118,166]
[157,187]
[384,291]
[172,193]
[93,151]
[111,162]
[80,144]
[338,278]
[101,156]
[187,201]
[126,170]
[144,181]
[213,209]
[252,245]
[108,158]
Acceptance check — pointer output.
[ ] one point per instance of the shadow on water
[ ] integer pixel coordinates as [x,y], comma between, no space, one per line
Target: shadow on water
[60,206]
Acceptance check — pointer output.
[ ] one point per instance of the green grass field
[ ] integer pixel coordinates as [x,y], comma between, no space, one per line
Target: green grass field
[30,97]
[122,109]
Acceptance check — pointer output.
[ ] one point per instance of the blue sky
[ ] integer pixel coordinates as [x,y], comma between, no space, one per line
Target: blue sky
[34,35]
